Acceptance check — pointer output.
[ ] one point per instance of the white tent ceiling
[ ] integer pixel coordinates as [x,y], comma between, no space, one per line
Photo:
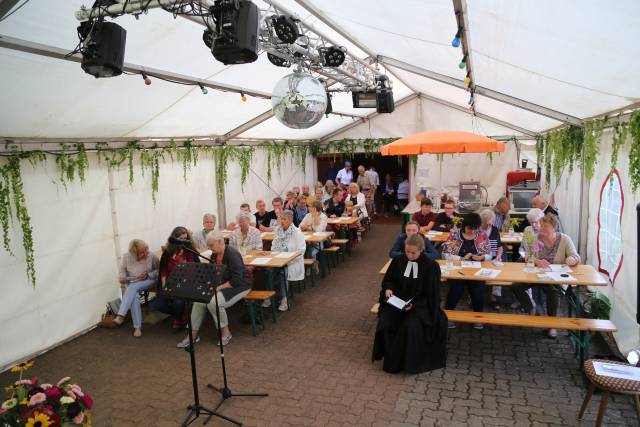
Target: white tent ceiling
[574,57]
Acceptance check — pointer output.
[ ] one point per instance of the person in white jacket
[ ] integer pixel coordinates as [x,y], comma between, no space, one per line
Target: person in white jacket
[289,239]
[359,200]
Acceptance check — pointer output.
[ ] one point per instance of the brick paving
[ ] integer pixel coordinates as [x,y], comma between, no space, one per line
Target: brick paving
[315,365]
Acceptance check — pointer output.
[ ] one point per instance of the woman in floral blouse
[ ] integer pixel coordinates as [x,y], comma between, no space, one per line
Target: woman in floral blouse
[468,243]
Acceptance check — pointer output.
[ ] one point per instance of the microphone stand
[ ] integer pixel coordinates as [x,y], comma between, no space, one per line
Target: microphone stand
[225,391]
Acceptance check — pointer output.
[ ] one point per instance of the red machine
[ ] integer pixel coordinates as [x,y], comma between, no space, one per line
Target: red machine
[516,177]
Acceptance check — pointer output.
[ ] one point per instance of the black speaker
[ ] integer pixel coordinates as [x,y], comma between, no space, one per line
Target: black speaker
[237,31]
[103,48]
[384,101]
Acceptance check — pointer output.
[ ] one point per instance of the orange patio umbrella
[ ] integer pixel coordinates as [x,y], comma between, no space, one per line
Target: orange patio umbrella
[441,142]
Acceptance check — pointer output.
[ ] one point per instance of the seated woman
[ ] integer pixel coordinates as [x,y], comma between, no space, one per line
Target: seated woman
[234,285]
[245,207]
[315,221]
[319,197]
[329,186]
[413,339]
[410,229]
[555,248]
[173,255]
[444,220]
[245,237]
[533,218]
[139,272]
[469,244]
[492,233]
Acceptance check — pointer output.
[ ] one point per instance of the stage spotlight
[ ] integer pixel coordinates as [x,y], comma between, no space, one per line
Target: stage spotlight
[236,41]
[286,28]
[102,48]
[277,61]
[334,56]
[207,38]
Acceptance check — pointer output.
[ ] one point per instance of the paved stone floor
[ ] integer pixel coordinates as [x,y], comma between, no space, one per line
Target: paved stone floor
[315,364]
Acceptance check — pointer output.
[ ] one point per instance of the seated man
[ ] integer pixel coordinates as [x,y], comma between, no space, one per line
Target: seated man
[300,211]
[276,203]
[288,239]
[538,201]
[425,217]
[199,238]
[501,211]
[335,205]
[444,220]
[262,216]
[410,229]
[233,288]
[403,194]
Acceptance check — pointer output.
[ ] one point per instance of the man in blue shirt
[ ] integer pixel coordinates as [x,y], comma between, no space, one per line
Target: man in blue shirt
[410,229]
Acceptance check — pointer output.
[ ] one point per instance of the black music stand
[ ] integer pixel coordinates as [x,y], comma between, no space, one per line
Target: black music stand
[199,286]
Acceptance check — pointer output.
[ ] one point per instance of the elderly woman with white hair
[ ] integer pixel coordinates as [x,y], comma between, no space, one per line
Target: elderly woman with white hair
[208,224]
[245,237]
[288,239]
[138,272]
[233,287]
[533,217]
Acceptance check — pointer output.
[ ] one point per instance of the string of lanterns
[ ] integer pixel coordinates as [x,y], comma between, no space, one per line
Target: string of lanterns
[458,41]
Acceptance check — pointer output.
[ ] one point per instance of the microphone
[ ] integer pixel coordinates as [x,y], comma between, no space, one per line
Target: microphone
[177,241]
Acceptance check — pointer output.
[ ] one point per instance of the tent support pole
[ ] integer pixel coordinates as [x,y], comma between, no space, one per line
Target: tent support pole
[114,220]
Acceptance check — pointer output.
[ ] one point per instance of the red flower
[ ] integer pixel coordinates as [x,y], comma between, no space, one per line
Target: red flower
[53,392]
[34,381]
[88,402]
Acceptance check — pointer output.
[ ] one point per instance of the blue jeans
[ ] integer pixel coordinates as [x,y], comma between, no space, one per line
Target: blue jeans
[130,300]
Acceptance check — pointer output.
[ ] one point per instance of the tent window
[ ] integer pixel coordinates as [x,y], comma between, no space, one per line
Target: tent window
[609,226]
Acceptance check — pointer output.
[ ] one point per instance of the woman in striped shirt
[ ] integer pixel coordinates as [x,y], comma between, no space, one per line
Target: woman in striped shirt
[488,218]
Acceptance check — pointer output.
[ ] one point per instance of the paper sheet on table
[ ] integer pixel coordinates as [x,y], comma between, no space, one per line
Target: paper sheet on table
[260,261]
[617,371]
[556,276]
[470,264]
[285,255]
[307,236]
[434,233]
[560,268]
[207,253]
[489,273]
[398,302]
[319,233]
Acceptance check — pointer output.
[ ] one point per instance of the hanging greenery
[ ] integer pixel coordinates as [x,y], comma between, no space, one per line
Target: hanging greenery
[620,131]
[592,133]
[244,156]
[634,151]
[540,149]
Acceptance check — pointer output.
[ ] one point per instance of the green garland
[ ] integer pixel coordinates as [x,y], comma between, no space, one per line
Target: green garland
[620,131]
[592,133]
[634,151]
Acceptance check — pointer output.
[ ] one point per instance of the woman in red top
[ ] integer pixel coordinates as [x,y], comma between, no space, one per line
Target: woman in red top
[173,255]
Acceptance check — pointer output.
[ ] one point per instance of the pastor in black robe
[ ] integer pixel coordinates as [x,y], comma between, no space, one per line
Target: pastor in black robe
[412,341]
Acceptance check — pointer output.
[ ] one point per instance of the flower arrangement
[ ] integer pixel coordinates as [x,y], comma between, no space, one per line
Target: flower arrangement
[511,224]
[531,243]
[34,403]
[456,220]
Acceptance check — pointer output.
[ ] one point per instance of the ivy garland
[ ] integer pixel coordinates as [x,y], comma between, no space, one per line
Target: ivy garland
[634,151]
[620,131]
[592,133]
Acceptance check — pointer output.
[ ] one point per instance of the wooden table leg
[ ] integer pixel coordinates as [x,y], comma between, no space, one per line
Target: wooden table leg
[587,398]
[637,399]
[603,407]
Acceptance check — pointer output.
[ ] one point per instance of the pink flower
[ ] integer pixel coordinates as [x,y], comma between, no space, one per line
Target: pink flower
[77,390]
[71,394]
[53,392]
[37,399]
[46,386]
[63,380]
[23,382]
[79,418]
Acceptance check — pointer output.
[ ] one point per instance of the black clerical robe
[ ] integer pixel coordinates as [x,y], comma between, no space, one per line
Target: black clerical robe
[413,341]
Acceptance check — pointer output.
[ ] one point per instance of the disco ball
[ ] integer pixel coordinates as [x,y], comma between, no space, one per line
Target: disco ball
[299,100]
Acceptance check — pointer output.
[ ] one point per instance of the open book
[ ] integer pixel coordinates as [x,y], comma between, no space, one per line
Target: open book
[398,303]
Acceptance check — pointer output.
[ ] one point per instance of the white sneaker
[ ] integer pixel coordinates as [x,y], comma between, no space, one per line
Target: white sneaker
[266,303]
[283,305]
[478,326]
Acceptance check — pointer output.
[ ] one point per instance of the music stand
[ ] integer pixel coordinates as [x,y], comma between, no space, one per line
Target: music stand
[198,285]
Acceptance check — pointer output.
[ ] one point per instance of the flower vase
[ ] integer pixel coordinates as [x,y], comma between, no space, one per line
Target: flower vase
[531,263]
[511,231]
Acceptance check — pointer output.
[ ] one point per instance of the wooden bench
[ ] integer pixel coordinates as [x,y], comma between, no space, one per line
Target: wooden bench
[309,263]
[332,250]
[344,245]
[525,321]
[254,300]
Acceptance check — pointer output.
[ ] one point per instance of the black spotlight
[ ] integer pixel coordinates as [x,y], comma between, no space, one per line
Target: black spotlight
[207,38]
[334,56]
[286,28]
[329,109]
[236,41]
[102,49]
[277,61]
